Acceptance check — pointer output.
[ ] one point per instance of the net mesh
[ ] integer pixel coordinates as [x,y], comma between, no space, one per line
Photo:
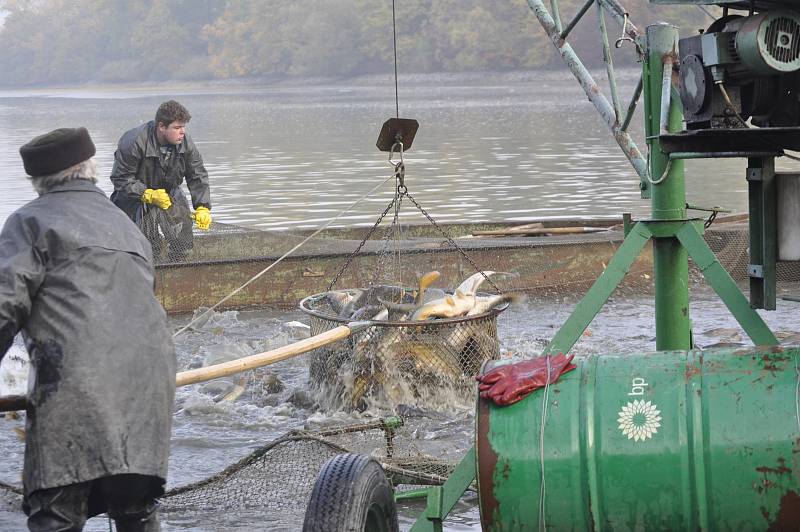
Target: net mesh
[556,267]
[399,363]
[275,481]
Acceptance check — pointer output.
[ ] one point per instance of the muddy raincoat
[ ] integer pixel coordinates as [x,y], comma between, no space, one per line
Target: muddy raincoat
[76,277]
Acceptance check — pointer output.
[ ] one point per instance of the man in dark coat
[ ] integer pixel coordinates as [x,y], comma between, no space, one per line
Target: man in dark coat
[76,278]
[150,164]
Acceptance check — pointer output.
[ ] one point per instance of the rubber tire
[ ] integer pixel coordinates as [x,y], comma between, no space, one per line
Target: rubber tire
[352,494]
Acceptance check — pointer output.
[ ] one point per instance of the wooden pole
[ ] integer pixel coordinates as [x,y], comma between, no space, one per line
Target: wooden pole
[239,365]
[539,231]
[12,403]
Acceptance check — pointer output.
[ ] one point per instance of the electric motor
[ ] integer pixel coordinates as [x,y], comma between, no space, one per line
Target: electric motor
[743,68]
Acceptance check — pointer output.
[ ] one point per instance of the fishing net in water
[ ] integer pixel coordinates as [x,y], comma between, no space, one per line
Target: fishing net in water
[274,482]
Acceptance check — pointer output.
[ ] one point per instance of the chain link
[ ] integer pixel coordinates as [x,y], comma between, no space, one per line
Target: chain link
[450,240]
[710,220]
[401,191]
[386,252]
[363,241]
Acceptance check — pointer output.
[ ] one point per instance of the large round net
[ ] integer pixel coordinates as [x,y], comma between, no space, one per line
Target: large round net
[421,363]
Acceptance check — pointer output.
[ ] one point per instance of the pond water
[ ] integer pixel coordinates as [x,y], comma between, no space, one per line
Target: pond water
[490,148]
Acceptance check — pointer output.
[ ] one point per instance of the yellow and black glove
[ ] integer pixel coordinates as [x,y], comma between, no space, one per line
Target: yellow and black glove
[202,217]
[157,197]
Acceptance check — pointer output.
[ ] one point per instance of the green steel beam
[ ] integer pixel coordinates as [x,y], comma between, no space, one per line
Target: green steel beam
[441,499]
[669,229]
[668,191]
[407,495]
[601,290]
[725,287]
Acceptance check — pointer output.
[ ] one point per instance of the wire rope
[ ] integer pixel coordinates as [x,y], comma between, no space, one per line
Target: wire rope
[275,263]
[394,43]
[542,488]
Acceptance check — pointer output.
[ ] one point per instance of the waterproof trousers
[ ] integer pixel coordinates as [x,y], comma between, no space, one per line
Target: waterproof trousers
[126,498]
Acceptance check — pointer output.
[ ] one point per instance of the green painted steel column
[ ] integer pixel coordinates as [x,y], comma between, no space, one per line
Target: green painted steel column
[668,199]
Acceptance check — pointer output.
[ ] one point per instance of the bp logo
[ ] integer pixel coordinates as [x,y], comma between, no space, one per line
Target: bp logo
[639,420]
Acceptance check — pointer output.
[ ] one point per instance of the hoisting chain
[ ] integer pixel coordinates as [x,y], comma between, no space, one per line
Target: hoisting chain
[401,191]
[399,167]
[361,244]
[450,240]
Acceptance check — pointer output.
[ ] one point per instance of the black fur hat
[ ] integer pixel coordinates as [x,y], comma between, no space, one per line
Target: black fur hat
[56,151]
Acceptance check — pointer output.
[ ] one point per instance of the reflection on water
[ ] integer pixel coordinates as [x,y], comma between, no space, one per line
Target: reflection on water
[500,147]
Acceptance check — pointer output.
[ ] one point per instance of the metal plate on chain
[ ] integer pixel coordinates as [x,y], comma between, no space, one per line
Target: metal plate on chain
[397,130]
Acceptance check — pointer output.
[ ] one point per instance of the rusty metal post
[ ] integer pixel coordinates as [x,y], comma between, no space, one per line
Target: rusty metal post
[590,87]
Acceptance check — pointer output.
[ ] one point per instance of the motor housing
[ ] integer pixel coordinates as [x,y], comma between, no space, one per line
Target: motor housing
[740,68]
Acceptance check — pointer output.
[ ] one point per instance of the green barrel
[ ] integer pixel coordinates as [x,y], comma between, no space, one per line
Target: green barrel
[698,440]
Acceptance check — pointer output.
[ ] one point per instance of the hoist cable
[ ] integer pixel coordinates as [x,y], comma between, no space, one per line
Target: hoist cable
[265,270]
[394,41]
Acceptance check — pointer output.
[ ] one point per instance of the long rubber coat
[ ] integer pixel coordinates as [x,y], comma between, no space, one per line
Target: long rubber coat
[76,278]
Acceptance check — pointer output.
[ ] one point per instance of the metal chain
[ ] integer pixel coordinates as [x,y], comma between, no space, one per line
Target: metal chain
[363,241]
[385,252]
[450,240]
[711,219]
[402,191]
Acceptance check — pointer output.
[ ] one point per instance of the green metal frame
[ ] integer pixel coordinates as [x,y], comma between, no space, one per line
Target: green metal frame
[688,235]
[441,499]
[675,238]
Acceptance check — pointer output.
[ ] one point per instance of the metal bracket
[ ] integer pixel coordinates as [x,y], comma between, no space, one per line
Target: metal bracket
[754,174]
[755,271]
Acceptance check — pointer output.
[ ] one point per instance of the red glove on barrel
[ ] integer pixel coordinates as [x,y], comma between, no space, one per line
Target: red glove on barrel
[510,383]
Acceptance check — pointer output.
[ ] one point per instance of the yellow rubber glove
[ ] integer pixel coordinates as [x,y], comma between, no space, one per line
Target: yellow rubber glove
[157,197]
[202,217]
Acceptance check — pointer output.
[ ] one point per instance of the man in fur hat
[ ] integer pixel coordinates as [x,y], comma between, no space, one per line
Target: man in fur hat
[76,279]
[150,164]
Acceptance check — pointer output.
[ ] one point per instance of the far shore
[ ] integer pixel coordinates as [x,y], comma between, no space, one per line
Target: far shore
[91,89]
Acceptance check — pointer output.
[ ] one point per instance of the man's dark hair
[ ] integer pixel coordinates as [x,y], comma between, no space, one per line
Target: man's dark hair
[170,111]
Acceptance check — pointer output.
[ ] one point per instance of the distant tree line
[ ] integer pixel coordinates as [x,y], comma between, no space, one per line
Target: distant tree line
[80,41]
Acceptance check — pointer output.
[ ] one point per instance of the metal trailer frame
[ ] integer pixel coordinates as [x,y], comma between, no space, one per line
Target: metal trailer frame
[675,237]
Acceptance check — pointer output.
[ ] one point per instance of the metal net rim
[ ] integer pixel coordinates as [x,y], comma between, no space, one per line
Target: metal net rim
[305,306]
